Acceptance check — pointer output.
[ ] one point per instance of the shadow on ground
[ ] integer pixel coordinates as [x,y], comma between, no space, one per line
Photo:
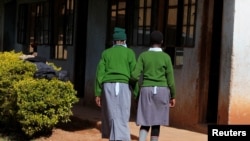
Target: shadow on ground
[13,132]
[77,124]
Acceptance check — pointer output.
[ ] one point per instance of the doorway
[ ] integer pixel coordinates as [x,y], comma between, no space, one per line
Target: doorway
[213,89]
[9,25]
[81,37]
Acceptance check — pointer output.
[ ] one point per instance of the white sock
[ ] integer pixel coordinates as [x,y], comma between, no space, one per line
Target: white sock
[143,135]
[154,138]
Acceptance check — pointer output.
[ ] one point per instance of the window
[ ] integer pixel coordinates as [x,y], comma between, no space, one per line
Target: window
[117,16]
[179,27]
[40,18]
[63,27]
[48,23]
[175,18]
[22,22]
[33,24]
[180,23]
[118,12]
[144,22]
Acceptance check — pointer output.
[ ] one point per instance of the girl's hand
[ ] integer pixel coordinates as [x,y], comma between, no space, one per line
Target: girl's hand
[98,101]
[172,103]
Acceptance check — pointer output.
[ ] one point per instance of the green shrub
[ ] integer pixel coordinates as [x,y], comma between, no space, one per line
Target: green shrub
[12,70]
[43,103]
[37,105]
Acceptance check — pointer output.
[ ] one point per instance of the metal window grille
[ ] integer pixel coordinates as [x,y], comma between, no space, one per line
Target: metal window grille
[47,23]
[41,19]
[117,15]
[144,22]
[63,27]
[22,22]
[180,23]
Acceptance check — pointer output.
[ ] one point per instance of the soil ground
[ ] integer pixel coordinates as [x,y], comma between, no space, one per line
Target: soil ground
[85,126]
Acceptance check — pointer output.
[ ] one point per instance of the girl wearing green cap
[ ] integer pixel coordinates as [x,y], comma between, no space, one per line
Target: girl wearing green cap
[112,89]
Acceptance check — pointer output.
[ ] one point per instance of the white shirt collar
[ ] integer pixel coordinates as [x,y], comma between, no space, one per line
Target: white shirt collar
[124,45]
[155,49]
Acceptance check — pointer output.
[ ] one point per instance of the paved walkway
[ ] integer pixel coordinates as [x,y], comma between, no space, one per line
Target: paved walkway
[92,114]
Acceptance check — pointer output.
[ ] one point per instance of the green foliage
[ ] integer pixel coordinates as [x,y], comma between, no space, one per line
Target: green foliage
[37,104]
[43,103]
[12,70]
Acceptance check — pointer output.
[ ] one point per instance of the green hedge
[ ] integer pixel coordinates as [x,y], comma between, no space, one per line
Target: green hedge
[12,70]
[37,105]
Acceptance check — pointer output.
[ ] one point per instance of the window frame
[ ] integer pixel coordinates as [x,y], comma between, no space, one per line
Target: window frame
[114,8]
[176,50]
[143,26]
[36,25]
[29,16]
[160,8]
[21,25]
[64,10]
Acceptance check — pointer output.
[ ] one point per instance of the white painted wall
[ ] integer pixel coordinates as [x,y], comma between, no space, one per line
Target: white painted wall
[241,50]
[240,82]
[234,98]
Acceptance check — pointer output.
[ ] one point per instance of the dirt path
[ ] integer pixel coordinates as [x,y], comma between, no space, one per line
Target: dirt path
[85,126]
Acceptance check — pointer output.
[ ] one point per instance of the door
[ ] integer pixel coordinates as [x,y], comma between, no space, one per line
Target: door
[80,48]
[213,88]
[9,26]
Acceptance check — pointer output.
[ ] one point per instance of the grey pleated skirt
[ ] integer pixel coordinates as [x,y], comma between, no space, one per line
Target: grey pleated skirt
[153,106]
[116,104]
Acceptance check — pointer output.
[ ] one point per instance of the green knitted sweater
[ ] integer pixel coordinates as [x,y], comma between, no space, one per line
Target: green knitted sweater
[156,70]
[115,65]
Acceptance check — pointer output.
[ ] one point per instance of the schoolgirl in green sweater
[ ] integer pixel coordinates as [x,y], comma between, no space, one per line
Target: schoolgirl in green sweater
[157,89]
[112,89]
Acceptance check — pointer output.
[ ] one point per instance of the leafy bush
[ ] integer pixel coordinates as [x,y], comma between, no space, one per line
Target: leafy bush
[43,103]
[37,105]
[12,70]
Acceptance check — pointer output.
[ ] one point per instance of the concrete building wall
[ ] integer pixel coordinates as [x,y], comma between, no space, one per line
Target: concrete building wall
[44,50]
[240,113]
[235,78]
[96,38]
[234,100]
[187,80]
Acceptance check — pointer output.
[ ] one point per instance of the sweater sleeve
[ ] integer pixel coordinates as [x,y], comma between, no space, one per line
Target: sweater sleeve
[100,71]
[133,82]
[170,78]
[135,76]
[132,61]
[138,69]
